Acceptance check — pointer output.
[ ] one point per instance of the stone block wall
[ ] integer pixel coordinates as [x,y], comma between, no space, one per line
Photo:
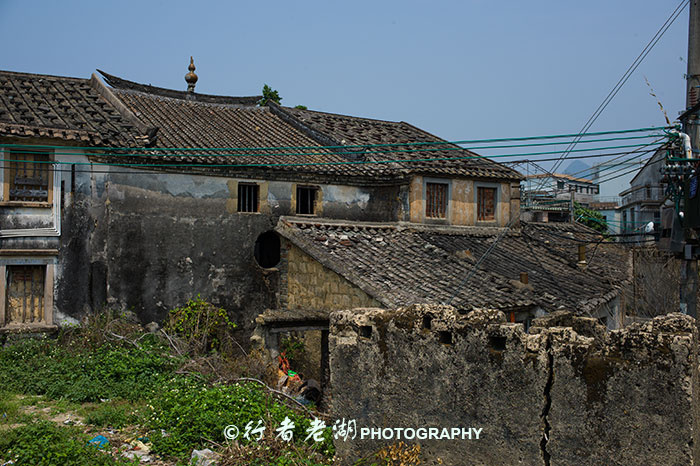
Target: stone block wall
[309,285]
[567,393]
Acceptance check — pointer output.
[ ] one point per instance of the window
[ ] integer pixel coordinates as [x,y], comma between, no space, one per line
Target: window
[306,199]
[25,302]
[28,177]
[436,200]
[248,197]
[560,185]
[486,203]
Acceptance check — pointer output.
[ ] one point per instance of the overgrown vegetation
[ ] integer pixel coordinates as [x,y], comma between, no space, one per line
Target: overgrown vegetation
[44,443]
[82,374]
[202,326]
[179,388]
[269,95]
[590,218]
[397,454]
[293,349]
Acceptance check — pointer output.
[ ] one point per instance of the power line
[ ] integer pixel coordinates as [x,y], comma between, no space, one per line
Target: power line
[349,146]
[285,164]
[621,82]
[616,158]
[576,157]
[155,153]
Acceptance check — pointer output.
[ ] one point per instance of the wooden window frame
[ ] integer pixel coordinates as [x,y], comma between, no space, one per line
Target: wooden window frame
[7,168]
[437,197]
[480,203]
[48,317]
[310,202]
[247,205]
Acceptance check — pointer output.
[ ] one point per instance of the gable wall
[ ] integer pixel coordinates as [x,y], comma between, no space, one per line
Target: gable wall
[310,285]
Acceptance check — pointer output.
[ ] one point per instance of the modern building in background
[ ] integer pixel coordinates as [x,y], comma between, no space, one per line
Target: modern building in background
[643,200]
[549,197]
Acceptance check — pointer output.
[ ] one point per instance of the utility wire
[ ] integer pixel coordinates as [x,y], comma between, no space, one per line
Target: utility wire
[349,146]
[621,82]
[591,169]
[170,170]
[285,164]
[516,162]
[156,153]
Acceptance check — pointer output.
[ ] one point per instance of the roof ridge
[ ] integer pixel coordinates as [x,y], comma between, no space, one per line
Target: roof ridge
[124,84]
[343,115]
[36,75]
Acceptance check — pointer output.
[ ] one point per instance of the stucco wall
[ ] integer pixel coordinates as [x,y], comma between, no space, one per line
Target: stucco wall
[568,393]
[461,208]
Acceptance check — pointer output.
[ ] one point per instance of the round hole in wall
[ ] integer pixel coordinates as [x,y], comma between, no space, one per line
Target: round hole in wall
[267,249]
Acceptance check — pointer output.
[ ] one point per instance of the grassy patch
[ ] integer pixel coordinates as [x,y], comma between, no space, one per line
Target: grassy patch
[111,377]
[45,444]
[11,410]
[79,374]
[192,414]
[116,414]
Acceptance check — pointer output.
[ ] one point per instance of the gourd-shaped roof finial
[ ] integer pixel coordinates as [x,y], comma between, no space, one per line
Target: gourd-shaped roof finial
[190,77]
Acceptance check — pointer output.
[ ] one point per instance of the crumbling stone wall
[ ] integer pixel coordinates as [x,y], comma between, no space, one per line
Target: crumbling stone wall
[567,393]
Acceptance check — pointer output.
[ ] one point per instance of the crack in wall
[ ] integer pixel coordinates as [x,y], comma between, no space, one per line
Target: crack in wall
[546,456]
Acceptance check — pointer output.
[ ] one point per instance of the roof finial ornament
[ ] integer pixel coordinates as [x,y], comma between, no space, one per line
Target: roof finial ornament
[190,77]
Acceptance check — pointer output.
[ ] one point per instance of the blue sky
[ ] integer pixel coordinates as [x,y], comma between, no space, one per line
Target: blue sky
[460,69]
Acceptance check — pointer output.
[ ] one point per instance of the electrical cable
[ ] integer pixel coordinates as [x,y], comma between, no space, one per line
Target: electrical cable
[621,82]
[156,154]
[349,146]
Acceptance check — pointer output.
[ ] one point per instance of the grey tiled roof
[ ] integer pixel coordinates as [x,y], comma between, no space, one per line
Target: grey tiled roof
[71,109]
[192,124]
[393,141]
[402,264]
[196,121]
[272,138]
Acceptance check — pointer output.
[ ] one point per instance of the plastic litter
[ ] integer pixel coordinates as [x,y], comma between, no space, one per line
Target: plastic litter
[204,457]
[99,441]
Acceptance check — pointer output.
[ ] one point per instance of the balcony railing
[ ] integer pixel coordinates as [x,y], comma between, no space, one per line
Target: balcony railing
[645,194]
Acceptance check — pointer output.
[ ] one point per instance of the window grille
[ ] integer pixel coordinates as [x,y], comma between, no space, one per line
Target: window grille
[248,197]
[436,200]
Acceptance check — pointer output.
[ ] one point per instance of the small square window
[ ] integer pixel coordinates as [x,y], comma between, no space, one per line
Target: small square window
[436,200]
[248,197]
[486,204]
[28,177]
[306,200]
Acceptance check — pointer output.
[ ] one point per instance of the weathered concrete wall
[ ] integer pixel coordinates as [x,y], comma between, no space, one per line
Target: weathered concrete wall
[169,237]
[568,393]
[147,241]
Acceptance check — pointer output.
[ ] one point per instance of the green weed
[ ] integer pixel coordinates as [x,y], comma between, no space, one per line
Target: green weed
[45,444]
[193,414]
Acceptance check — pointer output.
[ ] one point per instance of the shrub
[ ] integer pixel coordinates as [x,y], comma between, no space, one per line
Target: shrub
[202,326]
[293,349]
